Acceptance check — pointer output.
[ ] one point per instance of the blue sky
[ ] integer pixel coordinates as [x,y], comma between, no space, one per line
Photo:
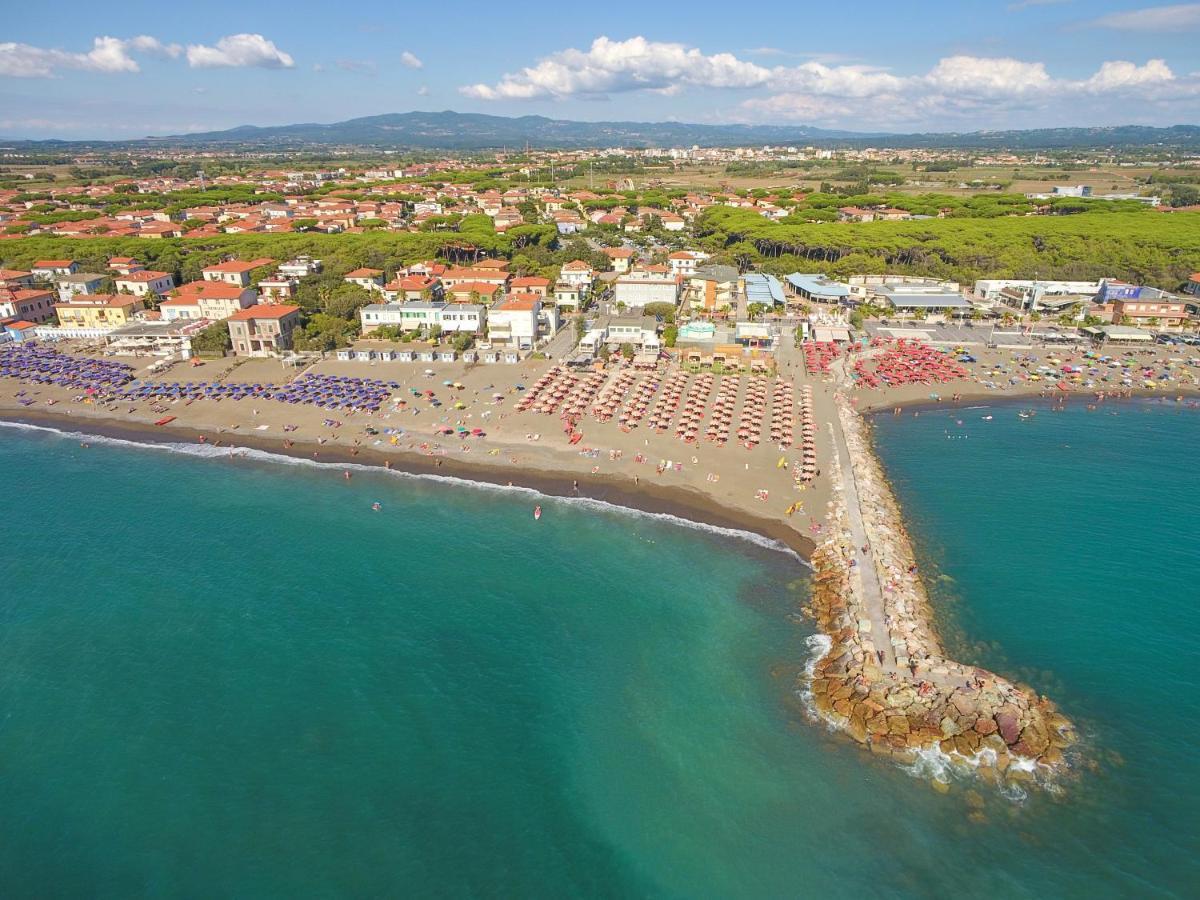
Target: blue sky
[135,68]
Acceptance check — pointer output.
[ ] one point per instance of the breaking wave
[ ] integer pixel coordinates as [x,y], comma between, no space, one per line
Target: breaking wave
[210,451]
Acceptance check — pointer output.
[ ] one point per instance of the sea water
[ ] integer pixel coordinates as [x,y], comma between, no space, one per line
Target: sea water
[234,676]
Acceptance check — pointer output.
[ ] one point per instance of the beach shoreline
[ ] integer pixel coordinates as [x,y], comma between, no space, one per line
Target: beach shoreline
[614,489]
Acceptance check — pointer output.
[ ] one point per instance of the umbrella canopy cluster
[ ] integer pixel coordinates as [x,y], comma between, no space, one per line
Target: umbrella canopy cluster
[910,362]
[324,391]
[819,355]
[32,362]
[667,403]
[611,395]
[722,412]
[633,413]
[806,470]
[693,408]
[783,412]
[754,407]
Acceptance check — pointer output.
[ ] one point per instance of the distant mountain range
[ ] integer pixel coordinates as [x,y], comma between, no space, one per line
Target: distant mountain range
[474,131]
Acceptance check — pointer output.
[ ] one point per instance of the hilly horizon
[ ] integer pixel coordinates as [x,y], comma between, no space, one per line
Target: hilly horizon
[450,130]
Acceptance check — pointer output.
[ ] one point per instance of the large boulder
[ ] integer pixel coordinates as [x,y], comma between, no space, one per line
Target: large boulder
[985,726]
[1009,724]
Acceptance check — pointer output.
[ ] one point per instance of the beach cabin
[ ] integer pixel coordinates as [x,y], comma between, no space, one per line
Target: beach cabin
[386,355]
[364,355]
[446,355]
[727,355]
[426,356]
[345,354]
[470,356]
[406,356]
[512,357]
[491,356]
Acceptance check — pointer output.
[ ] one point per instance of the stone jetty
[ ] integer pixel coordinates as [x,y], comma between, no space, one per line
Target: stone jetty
[885,679]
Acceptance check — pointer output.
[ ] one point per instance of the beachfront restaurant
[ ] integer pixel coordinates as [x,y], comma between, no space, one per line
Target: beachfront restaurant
[1118,334]
[923,300]
[818,289]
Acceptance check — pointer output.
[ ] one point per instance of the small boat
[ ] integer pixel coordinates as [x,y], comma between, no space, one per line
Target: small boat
[165,420]
[537,512]
[986,418]
[1026,414]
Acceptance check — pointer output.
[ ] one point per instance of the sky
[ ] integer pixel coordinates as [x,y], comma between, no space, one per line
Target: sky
[131,69]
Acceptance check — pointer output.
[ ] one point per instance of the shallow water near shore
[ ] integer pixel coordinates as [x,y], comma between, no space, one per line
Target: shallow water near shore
[235,677]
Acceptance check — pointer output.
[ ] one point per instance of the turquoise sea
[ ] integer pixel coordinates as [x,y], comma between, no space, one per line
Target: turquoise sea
[234,678]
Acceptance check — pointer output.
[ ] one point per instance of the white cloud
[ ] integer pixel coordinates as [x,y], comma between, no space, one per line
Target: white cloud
[839,81]
[610,66]
[1177,17]
[144,43]
[1119,75]
[977,76]
[410,60]
[239,51]
[423,91]
[108,54]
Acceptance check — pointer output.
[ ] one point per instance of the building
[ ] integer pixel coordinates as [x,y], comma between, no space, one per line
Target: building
[921,300]
[577,272]
[234,271]
[416,287]
[276,289]
[26,304]
[514,322]
[156,337]
[98,310]
[207,300]
[568,296]
[684,262]
[622,258]
[300,267]
[144,282]
[531,284]
[640,332]
[123,265]
[990,288]
[263,329]
[644,286]
[457,318]
[474,291]
[1165,312]
[367,279]
[413,315]
[712,288]
[479,275]
[1192,287]
[15,278]
[817,288]
[78,283]
[763,289]
[50,269]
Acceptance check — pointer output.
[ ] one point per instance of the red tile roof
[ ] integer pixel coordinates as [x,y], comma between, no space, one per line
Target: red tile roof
[265,311]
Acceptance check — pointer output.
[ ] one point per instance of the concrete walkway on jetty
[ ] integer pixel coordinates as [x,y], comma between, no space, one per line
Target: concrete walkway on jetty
[865,573]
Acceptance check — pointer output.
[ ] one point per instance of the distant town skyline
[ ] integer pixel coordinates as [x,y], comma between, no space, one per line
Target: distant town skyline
[142,68]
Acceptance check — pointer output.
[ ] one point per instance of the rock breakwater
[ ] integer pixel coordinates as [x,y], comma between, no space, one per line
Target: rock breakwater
[885,679]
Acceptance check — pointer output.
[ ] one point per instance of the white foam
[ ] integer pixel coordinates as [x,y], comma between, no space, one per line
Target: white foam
[819,646]
[210,451]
